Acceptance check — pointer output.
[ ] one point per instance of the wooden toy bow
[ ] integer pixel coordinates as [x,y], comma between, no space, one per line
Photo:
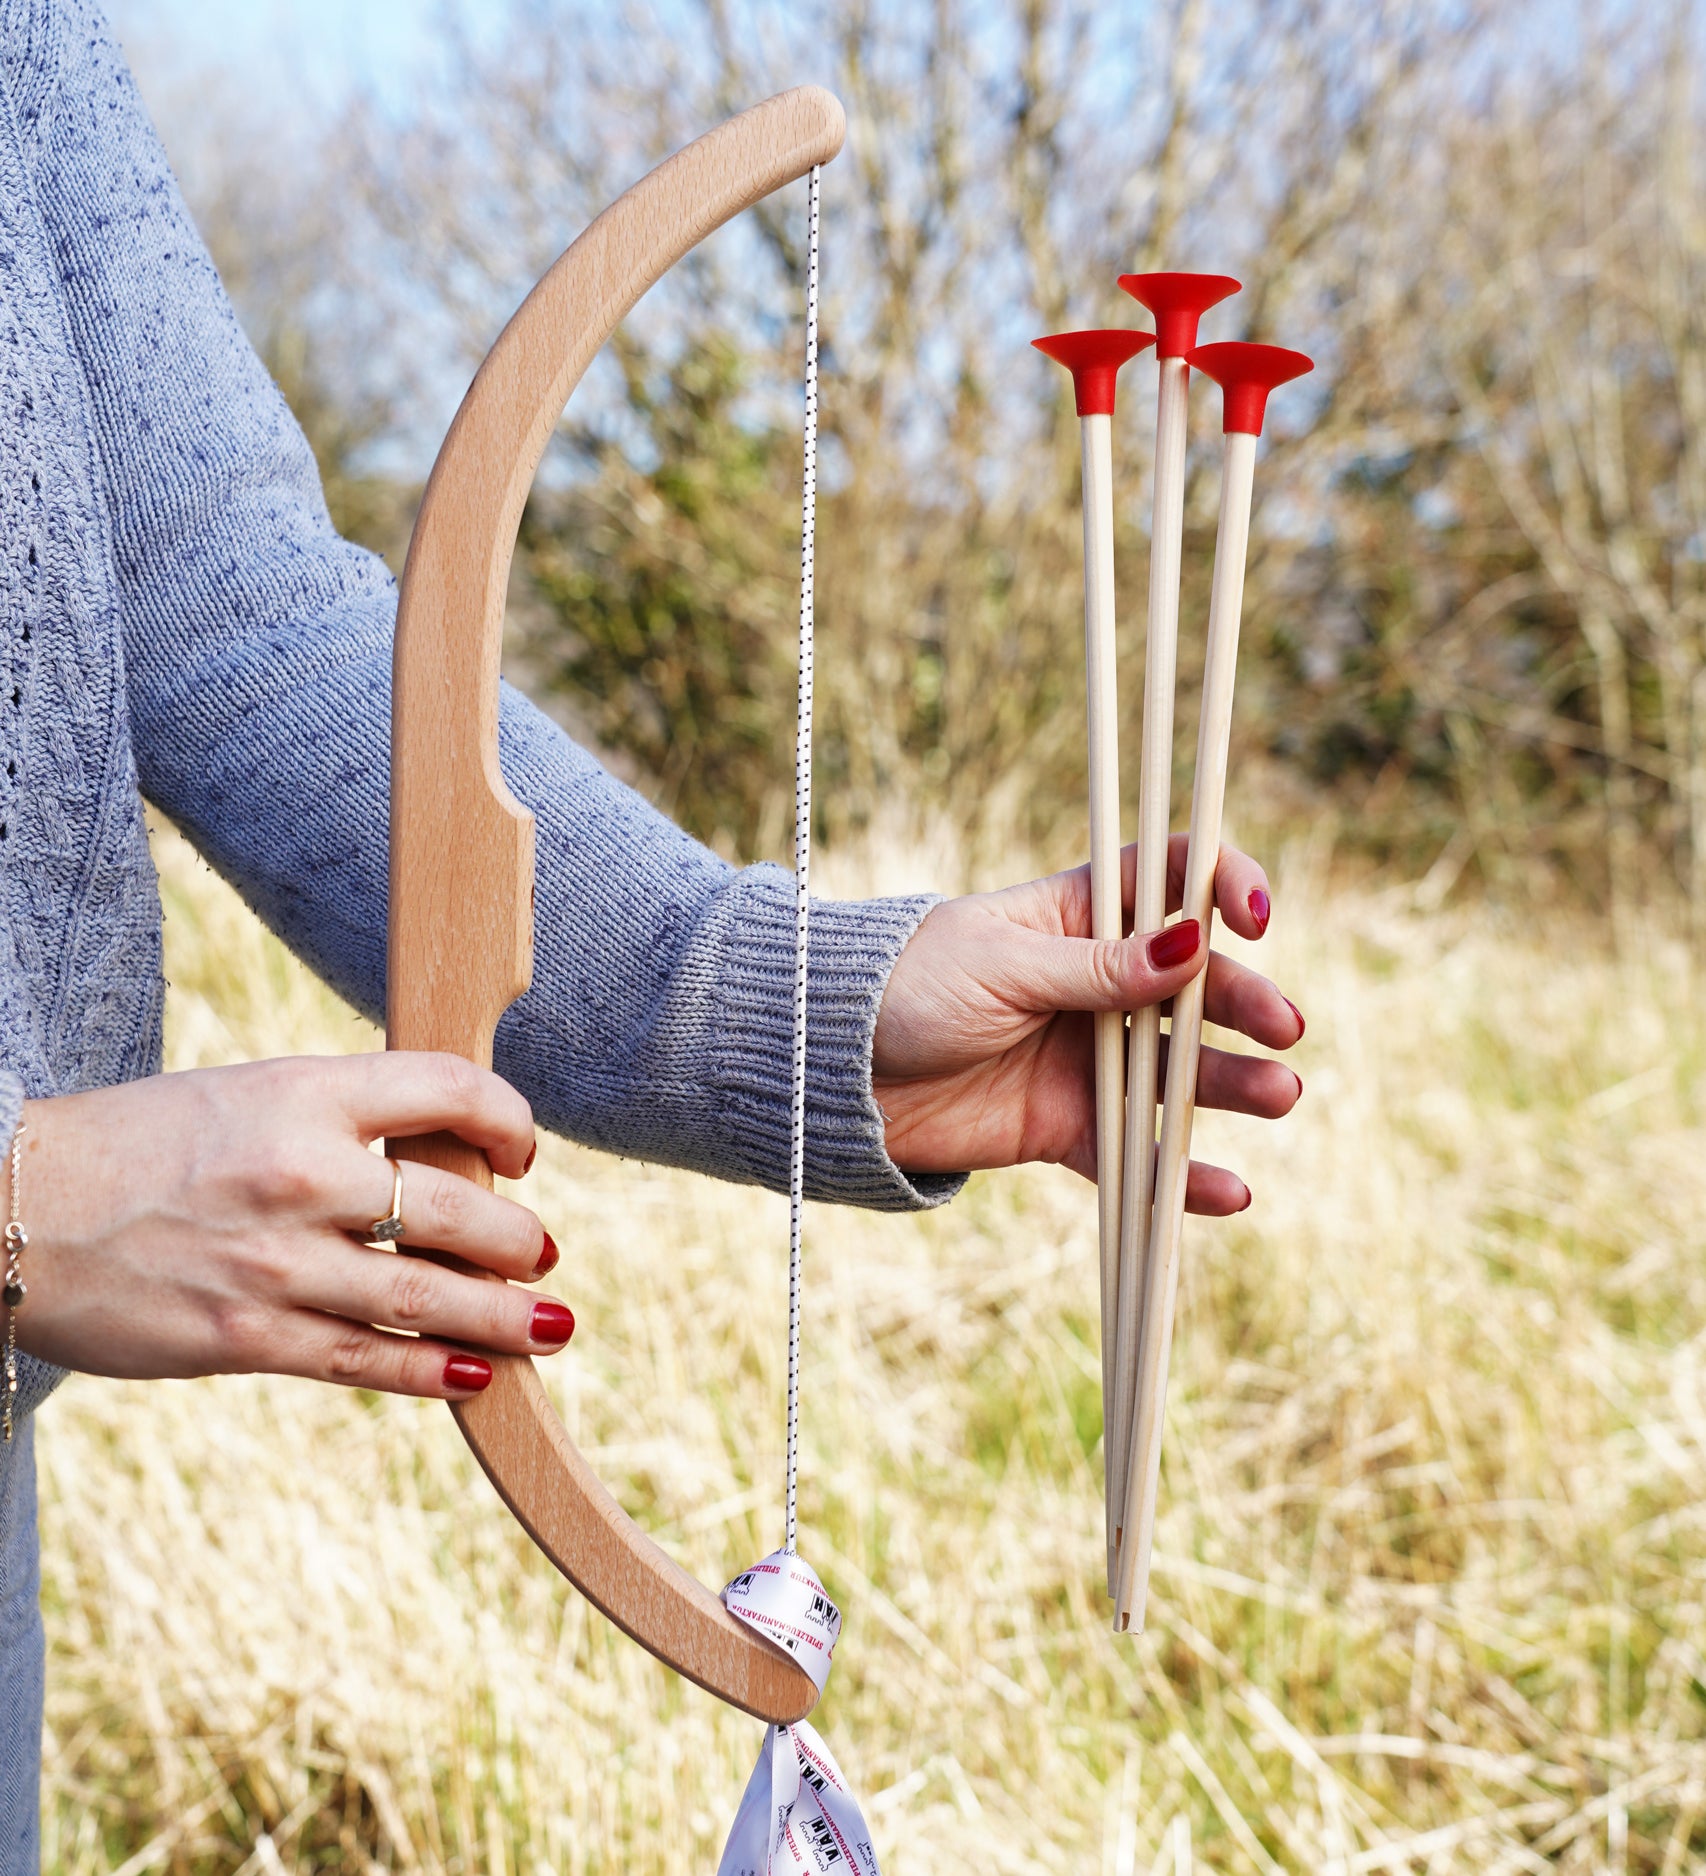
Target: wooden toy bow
[461,919]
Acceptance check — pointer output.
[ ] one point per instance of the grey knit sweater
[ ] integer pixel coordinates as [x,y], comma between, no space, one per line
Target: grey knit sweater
[178,621]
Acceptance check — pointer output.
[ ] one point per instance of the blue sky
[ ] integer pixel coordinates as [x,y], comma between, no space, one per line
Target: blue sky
[318,49]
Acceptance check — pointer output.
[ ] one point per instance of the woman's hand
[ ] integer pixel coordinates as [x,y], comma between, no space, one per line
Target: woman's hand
[210,1222]
[982,1055]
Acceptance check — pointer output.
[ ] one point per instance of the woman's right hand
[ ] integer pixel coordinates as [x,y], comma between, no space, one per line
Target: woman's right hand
[211,1222]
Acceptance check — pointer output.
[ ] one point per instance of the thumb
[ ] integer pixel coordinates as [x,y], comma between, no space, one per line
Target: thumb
[1052,973]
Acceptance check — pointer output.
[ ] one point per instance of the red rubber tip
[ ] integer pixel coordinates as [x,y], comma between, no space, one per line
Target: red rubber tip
[1178,301]
[1094,359]
[1246,374]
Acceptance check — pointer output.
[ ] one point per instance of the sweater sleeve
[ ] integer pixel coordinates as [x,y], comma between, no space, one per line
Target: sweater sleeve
[257,647]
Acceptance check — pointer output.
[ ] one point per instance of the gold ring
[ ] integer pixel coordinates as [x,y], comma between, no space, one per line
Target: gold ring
[389,1229]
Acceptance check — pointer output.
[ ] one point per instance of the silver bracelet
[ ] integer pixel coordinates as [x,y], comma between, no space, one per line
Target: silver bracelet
[14,1291]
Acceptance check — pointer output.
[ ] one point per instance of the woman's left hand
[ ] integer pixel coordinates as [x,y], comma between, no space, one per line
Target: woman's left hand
[982,1054]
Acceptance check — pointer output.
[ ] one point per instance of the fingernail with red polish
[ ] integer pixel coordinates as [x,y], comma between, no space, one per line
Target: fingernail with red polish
[1295,1012]
[467,1373]
[548,1257]
[551,1324]
[1174,945]
[1249,1199]
[533,1150]
[1261,910]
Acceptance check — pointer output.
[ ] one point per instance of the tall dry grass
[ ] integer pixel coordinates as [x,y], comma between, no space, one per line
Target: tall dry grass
[1431,1592]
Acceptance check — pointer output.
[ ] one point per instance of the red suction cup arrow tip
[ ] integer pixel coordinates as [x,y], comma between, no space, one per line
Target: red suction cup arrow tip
[1178,301]
[1094,359]
[1246,374]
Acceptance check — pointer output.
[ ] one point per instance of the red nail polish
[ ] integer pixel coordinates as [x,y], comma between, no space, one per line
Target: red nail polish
[551,1324]
[1249,1199]
[548,1258]
[1299,1080]
[467,1372]
[1261,910]
[533,1150]
[1174,945]
[1295,1012]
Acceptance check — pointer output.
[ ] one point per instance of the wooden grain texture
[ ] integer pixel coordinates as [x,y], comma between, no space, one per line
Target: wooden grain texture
[1208,800]
[461,918]
[1106,912]
[1149,907]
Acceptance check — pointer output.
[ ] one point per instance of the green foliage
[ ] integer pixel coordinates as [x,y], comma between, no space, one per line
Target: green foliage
[665,614]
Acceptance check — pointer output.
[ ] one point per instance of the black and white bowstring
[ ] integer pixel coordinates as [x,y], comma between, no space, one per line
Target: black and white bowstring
[802,863]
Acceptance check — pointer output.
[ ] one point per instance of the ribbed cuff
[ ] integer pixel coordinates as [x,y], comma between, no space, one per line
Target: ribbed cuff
[853,947]
[36,1379]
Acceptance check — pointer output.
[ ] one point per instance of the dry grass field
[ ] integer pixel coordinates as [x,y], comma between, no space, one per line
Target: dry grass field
[1431,1591]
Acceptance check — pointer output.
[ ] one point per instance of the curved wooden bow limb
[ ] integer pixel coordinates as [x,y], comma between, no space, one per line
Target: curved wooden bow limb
[461,924]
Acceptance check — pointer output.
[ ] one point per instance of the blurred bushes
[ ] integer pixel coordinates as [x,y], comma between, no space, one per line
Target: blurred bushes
[1476,614]
[660,610]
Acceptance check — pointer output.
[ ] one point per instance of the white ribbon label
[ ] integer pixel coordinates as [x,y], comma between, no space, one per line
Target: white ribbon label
[797,1816]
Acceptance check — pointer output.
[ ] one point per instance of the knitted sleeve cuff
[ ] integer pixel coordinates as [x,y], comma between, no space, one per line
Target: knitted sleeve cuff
[660,1021]
[853,947]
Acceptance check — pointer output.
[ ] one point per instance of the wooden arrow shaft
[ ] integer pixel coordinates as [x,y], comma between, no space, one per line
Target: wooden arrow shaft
[1149,913]
[1173,1159]
[1102,705]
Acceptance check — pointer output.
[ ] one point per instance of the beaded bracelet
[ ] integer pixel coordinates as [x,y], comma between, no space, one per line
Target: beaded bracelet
[14,1292]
